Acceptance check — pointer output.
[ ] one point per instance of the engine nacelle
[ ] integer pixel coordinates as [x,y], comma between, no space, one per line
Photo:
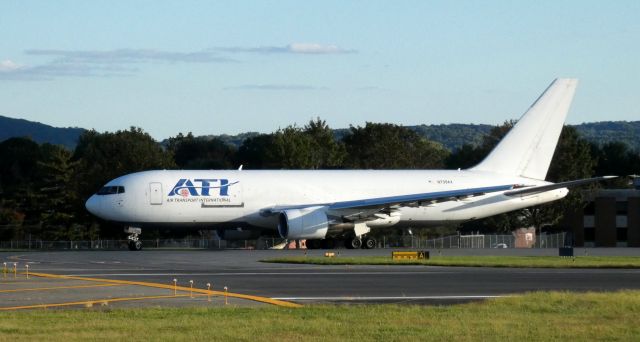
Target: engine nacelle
[305,223]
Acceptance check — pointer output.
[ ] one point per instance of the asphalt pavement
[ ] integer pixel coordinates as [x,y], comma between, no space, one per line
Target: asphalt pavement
[242,272]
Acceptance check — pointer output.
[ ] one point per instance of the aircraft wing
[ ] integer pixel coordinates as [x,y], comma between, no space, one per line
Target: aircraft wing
[380,203]
[369,206]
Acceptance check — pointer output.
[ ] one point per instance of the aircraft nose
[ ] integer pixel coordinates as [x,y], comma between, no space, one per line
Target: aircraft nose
[92,205]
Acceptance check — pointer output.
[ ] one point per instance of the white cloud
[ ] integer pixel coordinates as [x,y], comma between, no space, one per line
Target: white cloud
[313,48]
[9,65]
[131,56]
[125,62]
[100,63]
[293,48]
[275,87]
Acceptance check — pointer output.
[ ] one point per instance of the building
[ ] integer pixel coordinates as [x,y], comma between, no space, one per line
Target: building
[610,219]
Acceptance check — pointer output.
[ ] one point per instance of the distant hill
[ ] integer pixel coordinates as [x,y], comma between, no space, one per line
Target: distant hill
[40,133]
[452,136]
[607,131]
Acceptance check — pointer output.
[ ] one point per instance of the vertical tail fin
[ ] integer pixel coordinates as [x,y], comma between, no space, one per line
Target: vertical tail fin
[529,146]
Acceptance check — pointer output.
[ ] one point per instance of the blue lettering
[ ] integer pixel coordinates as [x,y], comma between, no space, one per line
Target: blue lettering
[206,185]
[224,187]
[184,187]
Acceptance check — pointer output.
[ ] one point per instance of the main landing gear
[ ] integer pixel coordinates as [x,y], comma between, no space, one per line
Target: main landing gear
[135,244]
[356,242]
[358,239]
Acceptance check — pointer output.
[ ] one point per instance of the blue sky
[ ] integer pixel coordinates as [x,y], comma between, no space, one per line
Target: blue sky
[213,67]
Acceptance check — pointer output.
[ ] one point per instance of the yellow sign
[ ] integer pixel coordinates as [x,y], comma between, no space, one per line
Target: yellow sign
[415,255]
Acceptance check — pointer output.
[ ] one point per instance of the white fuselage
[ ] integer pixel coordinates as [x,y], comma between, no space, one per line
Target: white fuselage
[238,198]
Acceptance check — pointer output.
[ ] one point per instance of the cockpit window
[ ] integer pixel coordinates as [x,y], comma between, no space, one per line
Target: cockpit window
[111,190]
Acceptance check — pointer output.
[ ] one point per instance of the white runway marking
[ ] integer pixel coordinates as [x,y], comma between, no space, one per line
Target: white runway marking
[348,272]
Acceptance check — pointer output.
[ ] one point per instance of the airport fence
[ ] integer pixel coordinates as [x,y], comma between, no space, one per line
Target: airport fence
[453,241]
[155,244]
[492,241]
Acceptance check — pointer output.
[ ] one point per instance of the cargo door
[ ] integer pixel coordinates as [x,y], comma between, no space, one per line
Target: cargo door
[155,193]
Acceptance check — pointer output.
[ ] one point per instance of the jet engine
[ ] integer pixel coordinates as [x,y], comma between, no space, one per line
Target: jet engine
[305,223]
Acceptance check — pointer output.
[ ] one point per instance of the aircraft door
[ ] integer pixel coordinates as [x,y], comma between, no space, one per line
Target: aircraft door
[155,193]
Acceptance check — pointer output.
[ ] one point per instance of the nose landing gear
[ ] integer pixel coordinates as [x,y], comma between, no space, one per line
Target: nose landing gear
[135,244]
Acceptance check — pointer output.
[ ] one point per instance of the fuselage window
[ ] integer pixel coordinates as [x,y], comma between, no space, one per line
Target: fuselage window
[111,190]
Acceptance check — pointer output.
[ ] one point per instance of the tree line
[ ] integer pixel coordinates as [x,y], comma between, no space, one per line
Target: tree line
[43,187]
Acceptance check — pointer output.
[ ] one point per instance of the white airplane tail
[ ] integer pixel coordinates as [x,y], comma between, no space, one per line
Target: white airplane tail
[529,146]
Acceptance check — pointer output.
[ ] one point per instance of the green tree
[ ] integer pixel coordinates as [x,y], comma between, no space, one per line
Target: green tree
[326,151]
[19,165]
[617,158]
[468,155]
[389,146]
[199,153]
[19,176]
[104,156]
[292,149]
[257,152]
[310,147]
[60,207]
[465,157]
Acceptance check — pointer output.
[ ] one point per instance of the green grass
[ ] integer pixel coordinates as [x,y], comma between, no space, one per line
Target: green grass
[475,261]
[538,316]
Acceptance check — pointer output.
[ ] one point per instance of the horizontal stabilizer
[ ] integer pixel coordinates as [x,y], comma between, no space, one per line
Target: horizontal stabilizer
[542,188]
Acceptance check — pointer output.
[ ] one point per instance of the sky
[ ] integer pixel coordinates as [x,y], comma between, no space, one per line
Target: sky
[226,67]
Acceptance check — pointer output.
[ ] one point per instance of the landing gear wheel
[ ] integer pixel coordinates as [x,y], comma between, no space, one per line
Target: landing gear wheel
[353,243]
[134,238]
[135,245]
[369,243]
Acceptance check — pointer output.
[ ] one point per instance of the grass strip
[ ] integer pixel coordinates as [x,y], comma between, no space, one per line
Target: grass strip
[541,316]
[475,261]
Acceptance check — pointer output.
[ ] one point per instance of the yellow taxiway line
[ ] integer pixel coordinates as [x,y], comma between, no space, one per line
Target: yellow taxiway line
[172,287]
[59,288]
[89,303]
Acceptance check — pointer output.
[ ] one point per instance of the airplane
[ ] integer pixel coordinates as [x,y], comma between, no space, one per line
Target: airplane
[327,207]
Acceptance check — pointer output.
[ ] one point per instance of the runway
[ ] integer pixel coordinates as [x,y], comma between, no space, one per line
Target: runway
[242,272]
